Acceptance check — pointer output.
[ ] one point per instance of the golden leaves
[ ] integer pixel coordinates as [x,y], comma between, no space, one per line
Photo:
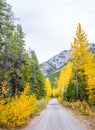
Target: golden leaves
[17,110]
[48,87]
[63,79]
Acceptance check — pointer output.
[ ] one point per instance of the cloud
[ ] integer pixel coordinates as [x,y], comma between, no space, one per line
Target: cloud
[52,23]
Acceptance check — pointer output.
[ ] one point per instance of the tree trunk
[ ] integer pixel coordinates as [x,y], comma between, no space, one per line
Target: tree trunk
[6,58]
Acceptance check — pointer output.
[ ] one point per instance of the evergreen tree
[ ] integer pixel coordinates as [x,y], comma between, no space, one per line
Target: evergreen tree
[70,94]
[16,66]
[17,59]
[6,29]
[37,80]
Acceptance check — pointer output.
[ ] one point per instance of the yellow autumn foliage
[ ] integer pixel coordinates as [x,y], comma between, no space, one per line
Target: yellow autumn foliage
[90,73]
[59,99]
[82,107]
[63,80]
[16,111]
[3,88]
[3,84]
[48,87]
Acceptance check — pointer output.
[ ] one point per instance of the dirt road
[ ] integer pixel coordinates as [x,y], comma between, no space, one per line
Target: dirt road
[55,117]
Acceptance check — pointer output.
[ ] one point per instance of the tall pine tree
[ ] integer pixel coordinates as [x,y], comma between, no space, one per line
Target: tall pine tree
[37,80]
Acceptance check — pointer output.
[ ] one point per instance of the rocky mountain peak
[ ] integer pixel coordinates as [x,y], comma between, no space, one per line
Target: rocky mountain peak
[59,60]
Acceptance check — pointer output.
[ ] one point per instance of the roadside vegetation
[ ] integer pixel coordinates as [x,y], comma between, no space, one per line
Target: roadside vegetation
[23,88]
[75,85]
[76,81]
[16,111]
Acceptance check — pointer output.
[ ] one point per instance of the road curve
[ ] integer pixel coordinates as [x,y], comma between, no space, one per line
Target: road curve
[55,117]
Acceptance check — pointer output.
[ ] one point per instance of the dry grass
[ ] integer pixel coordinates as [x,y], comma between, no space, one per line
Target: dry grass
[83,111]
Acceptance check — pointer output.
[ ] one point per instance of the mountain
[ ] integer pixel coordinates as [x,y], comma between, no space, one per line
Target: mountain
[92,47]
[55,62]
[58,61]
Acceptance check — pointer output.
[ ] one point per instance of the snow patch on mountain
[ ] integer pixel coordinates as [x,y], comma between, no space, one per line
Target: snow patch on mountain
[55,62]
[59,60]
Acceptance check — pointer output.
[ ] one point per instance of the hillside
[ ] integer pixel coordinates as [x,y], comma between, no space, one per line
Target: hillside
[53,75]
[55,63]
[59,60]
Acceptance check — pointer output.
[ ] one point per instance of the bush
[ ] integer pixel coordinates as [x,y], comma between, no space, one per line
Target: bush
[82,107]
[16,111]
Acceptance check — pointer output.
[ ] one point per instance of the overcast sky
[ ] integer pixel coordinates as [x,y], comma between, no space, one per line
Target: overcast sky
[50,25]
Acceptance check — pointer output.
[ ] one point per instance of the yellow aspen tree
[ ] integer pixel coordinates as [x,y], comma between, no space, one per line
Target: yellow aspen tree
[90,73]
[79,50]
[57,89]
[48,87]
[64,78]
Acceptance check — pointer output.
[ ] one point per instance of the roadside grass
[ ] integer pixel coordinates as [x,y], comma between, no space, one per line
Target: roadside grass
[79,107]
[83,110]
[41,104]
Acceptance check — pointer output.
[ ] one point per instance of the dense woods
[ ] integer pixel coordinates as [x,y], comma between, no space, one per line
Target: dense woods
[17,66]
[22,85]
[21,80]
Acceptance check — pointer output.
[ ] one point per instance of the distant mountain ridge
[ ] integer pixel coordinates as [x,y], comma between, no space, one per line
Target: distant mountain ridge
[59,60]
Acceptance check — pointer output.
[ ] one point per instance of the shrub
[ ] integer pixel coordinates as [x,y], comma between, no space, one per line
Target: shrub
[82,107]
[17,110]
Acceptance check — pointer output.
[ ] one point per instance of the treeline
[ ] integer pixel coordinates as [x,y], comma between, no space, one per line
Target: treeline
[77,78]
[17,66]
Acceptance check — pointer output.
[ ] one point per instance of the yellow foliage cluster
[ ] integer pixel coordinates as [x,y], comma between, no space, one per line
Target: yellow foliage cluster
[79,48]
[78,106]
[91,89]
[90,72]
[82,107]
[3,87]
[48,87]
[3,84]
[57,92]
[59,99]
[83,63]
[63,79]
[15,111]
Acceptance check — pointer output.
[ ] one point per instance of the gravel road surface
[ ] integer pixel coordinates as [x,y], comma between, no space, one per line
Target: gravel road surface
[55,117]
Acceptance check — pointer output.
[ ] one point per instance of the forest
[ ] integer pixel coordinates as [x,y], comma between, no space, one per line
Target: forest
[21,80]
[23,87]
